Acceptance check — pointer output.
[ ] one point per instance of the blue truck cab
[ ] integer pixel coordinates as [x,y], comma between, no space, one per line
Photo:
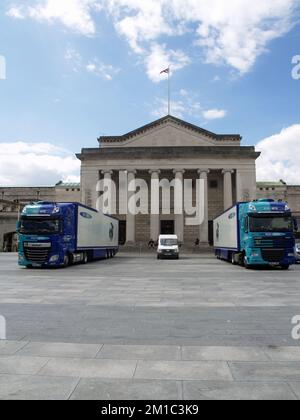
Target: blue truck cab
[257,233]
[59,234]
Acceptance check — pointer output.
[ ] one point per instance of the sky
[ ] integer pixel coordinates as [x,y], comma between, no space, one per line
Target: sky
[72,70]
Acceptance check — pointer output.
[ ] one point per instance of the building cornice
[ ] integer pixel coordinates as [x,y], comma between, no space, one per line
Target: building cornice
[168,152]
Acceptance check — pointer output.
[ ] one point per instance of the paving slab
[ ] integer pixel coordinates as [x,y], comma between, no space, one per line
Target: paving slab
[90,368]
[266,371]
[288,354]
[103,389]
[61,350]
[11,347]
[140,352]
[223,353]
[28,387]
[182,370]
[21,365]
[296,388]
[237,391]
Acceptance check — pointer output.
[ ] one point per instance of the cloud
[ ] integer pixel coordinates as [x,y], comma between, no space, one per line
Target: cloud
[36,164]
[96,67]
[214,114]
[160,58]
[74,58]
[185,104]
[233,33]
[105,71]
[74,14]
[280,158]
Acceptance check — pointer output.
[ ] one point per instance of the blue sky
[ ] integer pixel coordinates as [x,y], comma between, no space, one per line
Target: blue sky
[77,69]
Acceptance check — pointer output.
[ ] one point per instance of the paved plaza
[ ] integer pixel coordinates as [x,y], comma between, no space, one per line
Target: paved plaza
[137,328]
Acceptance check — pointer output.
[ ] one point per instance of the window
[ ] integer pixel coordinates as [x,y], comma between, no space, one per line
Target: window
[213,183]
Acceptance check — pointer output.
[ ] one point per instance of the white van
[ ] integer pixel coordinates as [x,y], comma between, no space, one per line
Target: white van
[168,247]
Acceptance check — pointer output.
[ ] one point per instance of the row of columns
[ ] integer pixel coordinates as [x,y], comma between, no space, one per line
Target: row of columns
[179,218]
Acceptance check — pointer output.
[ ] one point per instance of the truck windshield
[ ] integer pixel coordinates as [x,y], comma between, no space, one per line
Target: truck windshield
[168,242]
[271,224]
[36,226]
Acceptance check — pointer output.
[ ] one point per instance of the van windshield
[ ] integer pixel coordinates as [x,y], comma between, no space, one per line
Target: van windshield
[168,242]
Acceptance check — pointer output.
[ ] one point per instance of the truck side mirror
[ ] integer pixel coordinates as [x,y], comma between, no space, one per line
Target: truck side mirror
[246,225]
[295,223]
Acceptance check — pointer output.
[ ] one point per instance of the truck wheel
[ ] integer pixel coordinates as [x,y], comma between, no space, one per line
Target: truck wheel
[85,258]
[285,267]
[158,257]
[66,261]
[233,262]
[246,265]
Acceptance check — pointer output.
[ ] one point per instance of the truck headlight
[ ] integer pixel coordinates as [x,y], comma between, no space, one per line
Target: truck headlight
[255,254]
[54,258]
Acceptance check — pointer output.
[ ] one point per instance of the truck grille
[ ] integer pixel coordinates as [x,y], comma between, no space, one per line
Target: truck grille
[36,255]
[273,255]
[273,243]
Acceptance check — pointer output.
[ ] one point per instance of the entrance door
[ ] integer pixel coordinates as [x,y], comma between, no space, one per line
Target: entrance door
[167,227]
[10,242]
[122,232]
[211,232]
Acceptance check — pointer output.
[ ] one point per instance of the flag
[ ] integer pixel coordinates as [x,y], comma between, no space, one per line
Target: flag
[165,71]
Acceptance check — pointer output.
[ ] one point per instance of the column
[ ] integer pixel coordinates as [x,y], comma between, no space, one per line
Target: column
[203,230]
[154,211]
[130,218]
[227,188]
[178,204]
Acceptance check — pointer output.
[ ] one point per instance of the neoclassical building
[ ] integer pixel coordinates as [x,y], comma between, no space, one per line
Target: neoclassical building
[166,149]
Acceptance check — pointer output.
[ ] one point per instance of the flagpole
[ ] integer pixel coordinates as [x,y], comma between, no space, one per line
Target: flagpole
[169,92]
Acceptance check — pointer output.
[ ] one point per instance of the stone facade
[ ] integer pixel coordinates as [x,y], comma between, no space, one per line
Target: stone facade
[13,199]
[170,148]
[282,191]
[165,149]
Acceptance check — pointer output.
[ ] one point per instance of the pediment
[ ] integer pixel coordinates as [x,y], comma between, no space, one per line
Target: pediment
[169,132]
[169,136]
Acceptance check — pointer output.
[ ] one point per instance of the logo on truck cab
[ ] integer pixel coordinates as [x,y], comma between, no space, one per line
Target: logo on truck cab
[86,215]
[231,216]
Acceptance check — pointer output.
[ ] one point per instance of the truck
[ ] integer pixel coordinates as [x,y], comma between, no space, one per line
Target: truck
[60,234]
[256,233]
